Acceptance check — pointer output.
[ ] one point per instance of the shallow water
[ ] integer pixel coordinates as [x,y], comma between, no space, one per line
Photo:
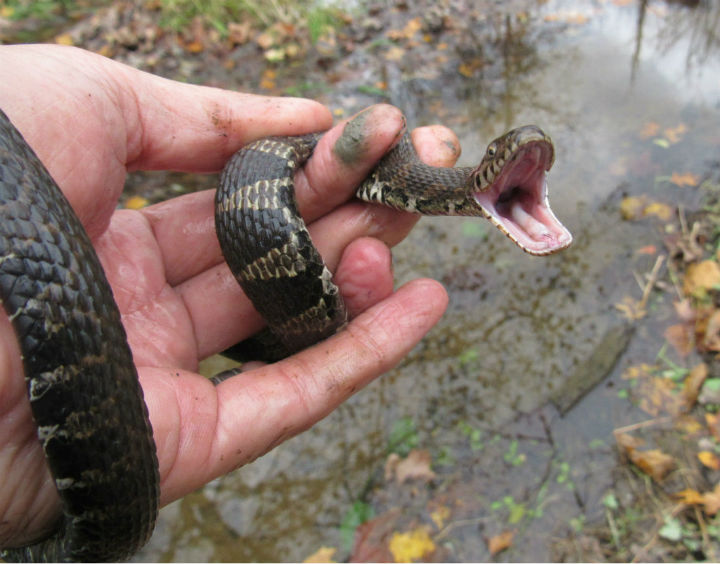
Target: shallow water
[530,350]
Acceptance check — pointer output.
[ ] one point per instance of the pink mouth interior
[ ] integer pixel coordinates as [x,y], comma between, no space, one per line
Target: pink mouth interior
[517,202]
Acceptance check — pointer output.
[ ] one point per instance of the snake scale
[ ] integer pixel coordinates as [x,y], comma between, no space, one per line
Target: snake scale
[83,389]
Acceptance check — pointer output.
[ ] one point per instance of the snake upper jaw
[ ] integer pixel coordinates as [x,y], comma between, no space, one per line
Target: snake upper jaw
[517,201]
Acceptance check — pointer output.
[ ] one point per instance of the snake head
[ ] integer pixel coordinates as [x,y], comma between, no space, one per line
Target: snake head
[510,187]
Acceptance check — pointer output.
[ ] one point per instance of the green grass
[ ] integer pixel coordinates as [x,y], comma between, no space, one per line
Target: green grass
[38,9]
[178,14]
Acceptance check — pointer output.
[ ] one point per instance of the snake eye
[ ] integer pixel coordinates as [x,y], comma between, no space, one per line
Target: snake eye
[491,150]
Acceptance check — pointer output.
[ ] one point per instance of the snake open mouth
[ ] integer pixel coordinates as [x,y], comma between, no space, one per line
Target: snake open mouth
[517,202]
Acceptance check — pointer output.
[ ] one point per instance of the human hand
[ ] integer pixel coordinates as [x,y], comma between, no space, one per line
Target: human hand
[91,120]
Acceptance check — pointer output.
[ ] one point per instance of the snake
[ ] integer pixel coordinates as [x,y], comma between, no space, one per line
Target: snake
[83,388]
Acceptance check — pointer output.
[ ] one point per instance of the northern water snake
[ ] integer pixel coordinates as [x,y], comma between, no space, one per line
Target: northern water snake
[83,388]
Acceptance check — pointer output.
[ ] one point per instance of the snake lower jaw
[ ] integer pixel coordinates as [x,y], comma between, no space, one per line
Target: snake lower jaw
[517,203]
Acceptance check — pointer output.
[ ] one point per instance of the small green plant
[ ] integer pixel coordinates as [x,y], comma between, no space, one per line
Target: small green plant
[356,515]
[403,436]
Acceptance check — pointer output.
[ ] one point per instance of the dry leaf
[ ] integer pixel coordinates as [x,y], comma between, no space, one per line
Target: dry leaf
[685,179]
[709,459]
[632,207]
[500,542]
[440,515]
[659,210]
[655,463]
[681,338]
[711,500]
[713,423]
[416,466]
[690,496]
[371,538]
[650,129]
[631,308]
[411,546]
[674,134]
[710,340]
[700,277]
[395,53]
[693,383]
[322,554]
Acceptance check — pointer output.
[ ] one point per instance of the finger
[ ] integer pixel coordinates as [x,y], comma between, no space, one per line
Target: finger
[279,400]
[197,128]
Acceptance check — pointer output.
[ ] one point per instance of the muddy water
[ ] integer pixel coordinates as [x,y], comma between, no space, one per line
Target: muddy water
[529,354]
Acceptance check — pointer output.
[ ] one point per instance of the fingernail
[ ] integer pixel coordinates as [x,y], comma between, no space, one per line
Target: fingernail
[352,145]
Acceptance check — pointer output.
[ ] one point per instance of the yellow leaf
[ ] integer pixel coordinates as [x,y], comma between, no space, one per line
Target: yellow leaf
[709,459]
[322,554]
[440,515]
[700,277]
[411,546]
[662,211]
[64,39]
[136,202]
[632,207]
[693,383]
[684,179]
[500,542]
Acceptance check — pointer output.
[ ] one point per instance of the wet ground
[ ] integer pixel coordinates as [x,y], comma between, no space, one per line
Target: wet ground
[516,393]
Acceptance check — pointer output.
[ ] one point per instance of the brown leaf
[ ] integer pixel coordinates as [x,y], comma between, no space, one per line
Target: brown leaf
[371,538]
[693,383]
[713,423]
[710,340]
[654,463]
[711,500]
[500,542]
[650,129]
[416,466]
[685,179]
[681,338]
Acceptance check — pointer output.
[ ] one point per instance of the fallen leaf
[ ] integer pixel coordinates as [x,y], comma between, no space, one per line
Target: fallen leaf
[416,466]
[500,542]
[713,423]
[674,134]
[322,554]
[371,538]
[693,383]
[685,179]
[700,277]
[632,207]
[710,340]
[64,39]
[650,129]
[654,463]
[690,496]
[659,210]
[681,337]
[709,459]
[711,500]
[647,250]
[411,546]
[440,515]
[136,202]
[631,308]
[394,53]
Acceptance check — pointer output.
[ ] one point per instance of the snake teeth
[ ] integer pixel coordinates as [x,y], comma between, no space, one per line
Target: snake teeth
[517,201]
